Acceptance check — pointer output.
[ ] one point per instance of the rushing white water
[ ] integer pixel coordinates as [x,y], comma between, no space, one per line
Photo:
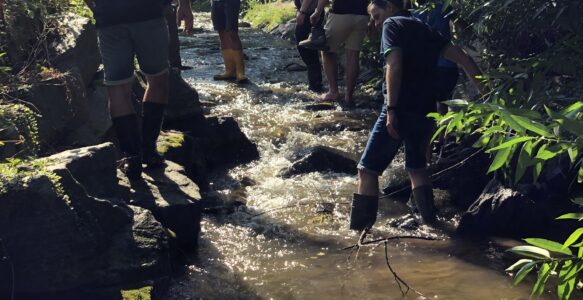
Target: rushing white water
[286,241]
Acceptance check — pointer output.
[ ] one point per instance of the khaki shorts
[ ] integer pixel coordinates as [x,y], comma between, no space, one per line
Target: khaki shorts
[345,29]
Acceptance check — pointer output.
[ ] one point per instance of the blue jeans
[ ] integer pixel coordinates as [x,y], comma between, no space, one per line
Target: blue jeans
[415,131]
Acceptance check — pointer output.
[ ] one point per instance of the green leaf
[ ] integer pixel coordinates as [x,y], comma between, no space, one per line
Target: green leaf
[549,245]
[437,132]
[533,126]
[517,265]
[523,162]
[456,103]
[573,238]
[531,251]
[577,106]
[543,275]
[523,272]
[545,153]
[567,280]
[578,201]
[455,122]
[499,160]
[482,141]
[573,126]
[571,216]
[580,174]
[537,170]
[573,154]
[509,143]
[507,118]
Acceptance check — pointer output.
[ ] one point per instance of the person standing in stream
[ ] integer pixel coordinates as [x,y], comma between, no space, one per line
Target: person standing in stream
[346,24]
[126,29]
[411,50]
[309,56]
[225,17]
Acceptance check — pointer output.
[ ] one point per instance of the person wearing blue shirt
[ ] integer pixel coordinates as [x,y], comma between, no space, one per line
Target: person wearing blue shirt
[411,50]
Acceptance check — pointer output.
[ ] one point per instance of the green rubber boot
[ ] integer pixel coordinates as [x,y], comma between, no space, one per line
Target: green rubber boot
[364,211]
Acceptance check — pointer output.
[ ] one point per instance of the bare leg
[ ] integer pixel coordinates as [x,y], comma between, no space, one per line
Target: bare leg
[352,68]
[157,90]
[120,101]
[368,184]
[331,71]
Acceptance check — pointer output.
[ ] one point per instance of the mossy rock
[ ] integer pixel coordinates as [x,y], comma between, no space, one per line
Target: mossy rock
[144,293]
[18,132]
[169,140]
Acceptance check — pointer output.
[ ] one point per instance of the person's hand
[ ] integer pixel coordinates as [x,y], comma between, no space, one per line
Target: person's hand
[315,17]
[300,18]
[184,14]
[392,124]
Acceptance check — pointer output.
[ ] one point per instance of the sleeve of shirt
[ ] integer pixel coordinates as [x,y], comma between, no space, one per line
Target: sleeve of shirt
[391,39]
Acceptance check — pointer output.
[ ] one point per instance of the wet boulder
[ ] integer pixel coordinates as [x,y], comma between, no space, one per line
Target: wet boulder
[186,151]
[94,167]
[226,143]
[97,122]
[76,49]
[66,244]
[321,159]
[503,211]
[286,31]
[171,196]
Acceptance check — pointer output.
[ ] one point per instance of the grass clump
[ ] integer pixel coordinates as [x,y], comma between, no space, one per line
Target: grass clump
[269,15]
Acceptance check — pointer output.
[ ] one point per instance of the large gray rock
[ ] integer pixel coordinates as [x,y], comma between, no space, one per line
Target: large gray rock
[94,167]
[76,49]
[227,144]
[96,123]
[63,242]
[322,159]
[502,211]
[186,151]
[171,196]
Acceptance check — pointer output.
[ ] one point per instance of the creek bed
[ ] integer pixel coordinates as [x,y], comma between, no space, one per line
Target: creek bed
[281,244]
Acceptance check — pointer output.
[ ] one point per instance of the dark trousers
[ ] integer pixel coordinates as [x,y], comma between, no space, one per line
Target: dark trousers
[310,57]
[174,45]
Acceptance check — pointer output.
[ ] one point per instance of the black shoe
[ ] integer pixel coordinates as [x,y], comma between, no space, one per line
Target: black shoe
[423,197]
[131,167]
[151,124]
[153,160]
[363,213]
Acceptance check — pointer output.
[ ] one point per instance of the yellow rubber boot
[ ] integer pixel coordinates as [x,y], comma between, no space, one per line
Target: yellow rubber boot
[229,57]
[240,66]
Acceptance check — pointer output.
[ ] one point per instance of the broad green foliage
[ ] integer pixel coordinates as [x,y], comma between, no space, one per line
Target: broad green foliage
[551,259]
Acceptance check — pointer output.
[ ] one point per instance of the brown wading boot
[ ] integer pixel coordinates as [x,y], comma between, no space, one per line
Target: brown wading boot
[363,213]
[423,198]
[128,134]
[153,116]
[316,40]
[229,57]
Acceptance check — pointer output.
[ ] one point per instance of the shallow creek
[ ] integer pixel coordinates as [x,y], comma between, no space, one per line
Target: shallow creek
[286,241]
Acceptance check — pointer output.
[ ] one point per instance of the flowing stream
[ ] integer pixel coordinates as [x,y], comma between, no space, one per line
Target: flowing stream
[286,241]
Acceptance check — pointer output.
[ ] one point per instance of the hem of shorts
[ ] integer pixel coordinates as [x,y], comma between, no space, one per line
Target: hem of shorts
[166,70]
[361,167]
[119,82]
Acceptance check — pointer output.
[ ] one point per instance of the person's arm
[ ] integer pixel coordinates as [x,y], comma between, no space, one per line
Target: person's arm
[303,12]
[393,79]
[457,55]
[315,17]
[90,4]
[184,13]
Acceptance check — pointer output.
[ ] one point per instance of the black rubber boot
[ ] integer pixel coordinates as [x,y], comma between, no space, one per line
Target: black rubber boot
[364,211]
[128,134]
[423,197]
[316,40]
[315,78]
[153,116]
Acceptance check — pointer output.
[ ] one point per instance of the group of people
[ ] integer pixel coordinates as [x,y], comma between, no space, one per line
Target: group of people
[419,70]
